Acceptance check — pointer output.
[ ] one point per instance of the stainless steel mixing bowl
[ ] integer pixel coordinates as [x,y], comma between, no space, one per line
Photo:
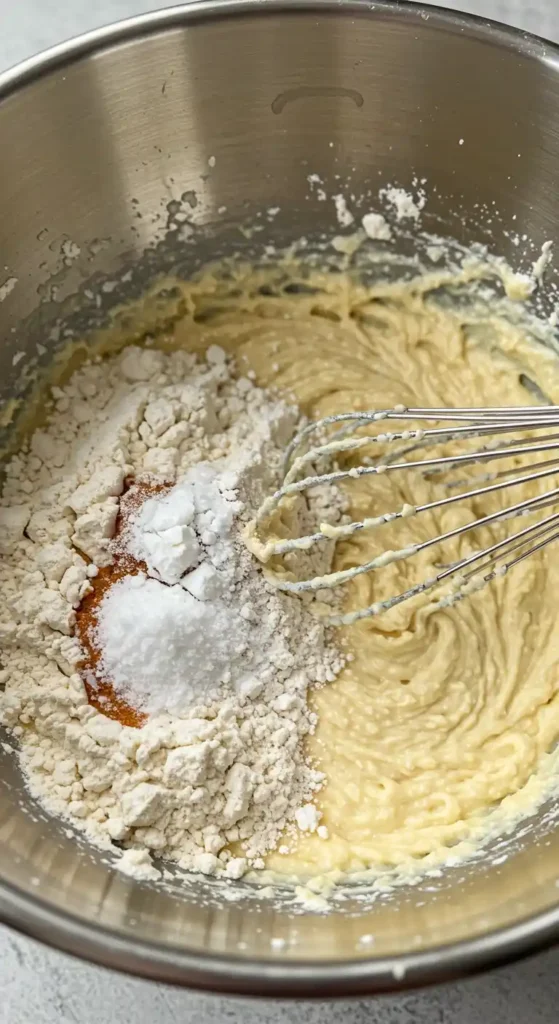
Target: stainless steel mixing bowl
[99,138]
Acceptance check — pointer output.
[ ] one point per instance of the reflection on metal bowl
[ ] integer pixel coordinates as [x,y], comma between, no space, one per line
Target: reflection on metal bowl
[229,107]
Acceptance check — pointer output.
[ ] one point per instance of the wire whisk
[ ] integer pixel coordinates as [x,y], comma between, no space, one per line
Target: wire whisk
[324,453]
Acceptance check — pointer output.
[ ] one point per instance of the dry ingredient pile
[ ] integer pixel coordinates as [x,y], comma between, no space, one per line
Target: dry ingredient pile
[164,698]
[181,734]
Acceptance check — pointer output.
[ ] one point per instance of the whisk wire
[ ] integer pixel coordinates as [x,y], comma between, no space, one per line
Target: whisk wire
[459,425]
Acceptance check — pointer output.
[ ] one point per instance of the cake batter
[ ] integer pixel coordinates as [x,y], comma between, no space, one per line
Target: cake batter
[442,714]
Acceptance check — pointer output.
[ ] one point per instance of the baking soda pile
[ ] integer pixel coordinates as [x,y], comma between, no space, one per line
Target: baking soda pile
[219,663]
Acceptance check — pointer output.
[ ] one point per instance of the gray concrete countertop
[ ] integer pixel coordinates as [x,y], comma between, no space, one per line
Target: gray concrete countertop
[38,986]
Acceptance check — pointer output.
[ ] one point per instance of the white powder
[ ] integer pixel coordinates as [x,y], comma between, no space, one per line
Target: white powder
[405,206]
[376,227]
[213,764]
[70,251]
[207,624]
[164,650]
[307,818]
[7,288]
[344,215]
[542,262]
[178,531]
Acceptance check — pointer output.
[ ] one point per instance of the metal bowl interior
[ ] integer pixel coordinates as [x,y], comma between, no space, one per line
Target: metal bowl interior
[97,137]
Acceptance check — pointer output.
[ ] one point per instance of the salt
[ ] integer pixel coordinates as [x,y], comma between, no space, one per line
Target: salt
[163,649]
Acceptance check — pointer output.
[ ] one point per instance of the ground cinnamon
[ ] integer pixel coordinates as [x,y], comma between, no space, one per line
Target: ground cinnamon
[100,691]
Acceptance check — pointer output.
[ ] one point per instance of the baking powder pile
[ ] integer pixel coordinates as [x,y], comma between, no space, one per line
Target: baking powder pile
[219,662]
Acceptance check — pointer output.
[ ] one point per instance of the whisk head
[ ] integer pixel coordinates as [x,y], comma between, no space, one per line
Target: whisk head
[401,440]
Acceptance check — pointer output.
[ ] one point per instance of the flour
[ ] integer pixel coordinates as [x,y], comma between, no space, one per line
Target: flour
[404,204]
[541,264]
[376,227]
[343,213]
[220,663]
[7,288]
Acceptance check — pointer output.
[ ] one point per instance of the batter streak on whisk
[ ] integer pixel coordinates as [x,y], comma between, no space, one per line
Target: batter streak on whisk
[521,434]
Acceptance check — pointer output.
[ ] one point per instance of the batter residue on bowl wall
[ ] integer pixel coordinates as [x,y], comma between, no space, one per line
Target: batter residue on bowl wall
[431,726]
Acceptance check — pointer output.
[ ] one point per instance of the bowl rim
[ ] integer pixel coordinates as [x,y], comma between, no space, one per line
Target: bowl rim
[229,973]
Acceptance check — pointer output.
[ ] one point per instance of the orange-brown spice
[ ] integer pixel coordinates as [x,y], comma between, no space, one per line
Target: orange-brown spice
[101,694]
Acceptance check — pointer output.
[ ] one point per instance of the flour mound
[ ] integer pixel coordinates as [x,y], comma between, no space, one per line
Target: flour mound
[220,663]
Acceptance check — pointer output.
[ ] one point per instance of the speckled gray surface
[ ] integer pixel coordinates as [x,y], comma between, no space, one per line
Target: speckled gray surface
[38,986]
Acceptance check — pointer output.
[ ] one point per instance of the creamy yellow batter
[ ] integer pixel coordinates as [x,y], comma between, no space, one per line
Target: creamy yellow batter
[442,713]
